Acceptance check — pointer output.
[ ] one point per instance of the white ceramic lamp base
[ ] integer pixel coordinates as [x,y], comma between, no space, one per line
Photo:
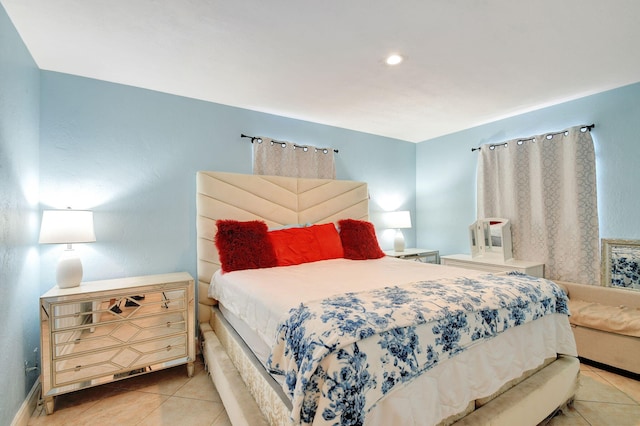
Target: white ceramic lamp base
[398,242]
[69,271]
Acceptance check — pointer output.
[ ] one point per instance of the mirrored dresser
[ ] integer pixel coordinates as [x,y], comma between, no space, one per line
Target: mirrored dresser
[102,331]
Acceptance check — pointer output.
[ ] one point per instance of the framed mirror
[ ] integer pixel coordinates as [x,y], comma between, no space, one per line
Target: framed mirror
[491,238]
[620,263]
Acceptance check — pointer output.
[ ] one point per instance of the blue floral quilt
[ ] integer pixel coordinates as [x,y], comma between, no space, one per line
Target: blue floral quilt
[339,356]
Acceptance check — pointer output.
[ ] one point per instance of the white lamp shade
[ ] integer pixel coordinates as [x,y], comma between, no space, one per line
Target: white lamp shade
[397,220]
[67,227]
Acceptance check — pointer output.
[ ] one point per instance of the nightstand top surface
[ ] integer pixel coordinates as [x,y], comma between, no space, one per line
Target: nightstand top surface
[409,252]
[119,283]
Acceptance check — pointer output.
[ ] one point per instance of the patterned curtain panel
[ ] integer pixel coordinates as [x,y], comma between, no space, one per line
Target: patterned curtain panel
[288,159]
[546,186]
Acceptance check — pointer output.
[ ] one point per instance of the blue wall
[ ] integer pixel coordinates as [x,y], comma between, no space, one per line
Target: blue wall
[19,277]
[131,155]
[446,167]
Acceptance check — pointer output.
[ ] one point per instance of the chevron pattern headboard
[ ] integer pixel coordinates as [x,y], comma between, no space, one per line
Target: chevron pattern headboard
[275,199]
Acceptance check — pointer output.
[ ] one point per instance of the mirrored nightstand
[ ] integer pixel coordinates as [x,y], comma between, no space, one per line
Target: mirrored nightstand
[103,331]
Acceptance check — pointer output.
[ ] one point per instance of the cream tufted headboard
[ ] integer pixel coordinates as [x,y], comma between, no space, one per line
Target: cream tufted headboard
[275,199]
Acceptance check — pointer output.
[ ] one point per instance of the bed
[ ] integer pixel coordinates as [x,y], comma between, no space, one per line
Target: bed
[519,376]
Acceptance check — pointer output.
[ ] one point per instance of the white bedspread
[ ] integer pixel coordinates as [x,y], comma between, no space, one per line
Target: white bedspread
[262,299]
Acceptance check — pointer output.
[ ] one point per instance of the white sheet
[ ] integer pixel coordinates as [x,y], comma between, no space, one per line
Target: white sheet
[262,299]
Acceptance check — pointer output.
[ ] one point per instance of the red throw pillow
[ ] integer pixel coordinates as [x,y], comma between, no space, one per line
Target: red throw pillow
[329,243]
[244,245]
[359,240]
[294,246]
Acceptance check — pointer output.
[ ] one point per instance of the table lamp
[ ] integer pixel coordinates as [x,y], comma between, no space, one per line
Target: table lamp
[67,227]
[397,220]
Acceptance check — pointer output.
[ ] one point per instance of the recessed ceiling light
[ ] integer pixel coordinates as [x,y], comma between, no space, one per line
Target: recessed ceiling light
[393,59]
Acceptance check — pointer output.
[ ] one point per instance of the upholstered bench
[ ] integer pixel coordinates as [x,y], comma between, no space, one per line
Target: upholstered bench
[606,324]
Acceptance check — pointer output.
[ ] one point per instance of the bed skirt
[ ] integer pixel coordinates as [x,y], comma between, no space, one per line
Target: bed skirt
[252,397]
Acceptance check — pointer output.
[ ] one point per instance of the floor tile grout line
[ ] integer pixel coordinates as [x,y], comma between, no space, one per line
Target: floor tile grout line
[612,384]
[196,399]
[636,401]
[215,420]
[169,395]
[608,402]
[615,386]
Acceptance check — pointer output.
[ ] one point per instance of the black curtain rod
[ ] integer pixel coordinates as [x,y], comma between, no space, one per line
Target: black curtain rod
[259,140]
[585,128]
[253,138]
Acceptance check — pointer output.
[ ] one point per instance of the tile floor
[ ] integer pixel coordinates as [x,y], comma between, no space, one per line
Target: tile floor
[166,397]
[603,399]
[169,397]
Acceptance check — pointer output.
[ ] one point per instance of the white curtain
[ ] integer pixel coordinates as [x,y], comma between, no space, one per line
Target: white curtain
[546,186]
[288,159]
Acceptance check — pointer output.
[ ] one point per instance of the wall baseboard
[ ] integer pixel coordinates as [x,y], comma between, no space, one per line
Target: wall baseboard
[28,406]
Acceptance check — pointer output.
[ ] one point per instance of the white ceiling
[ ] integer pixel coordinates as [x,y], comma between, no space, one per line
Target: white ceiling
[468,62]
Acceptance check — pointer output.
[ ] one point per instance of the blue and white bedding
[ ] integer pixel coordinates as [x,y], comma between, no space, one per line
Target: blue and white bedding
[402,370]
[340,355]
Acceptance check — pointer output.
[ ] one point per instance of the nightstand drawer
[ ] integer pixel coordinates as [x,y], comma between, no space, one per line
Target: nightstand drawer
[88,366]
[115,333]
[72,315]
[157,351]
[73,369]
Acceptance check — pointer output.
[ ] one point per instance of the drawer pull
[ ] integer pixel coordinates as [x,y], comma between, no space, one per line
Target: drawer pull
[168,324]
[77,341]
[78,367]
[168,348]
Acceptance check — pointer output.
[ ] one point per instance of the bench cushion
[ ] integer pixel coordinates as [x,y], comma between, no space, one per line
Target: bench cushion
[614,319]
